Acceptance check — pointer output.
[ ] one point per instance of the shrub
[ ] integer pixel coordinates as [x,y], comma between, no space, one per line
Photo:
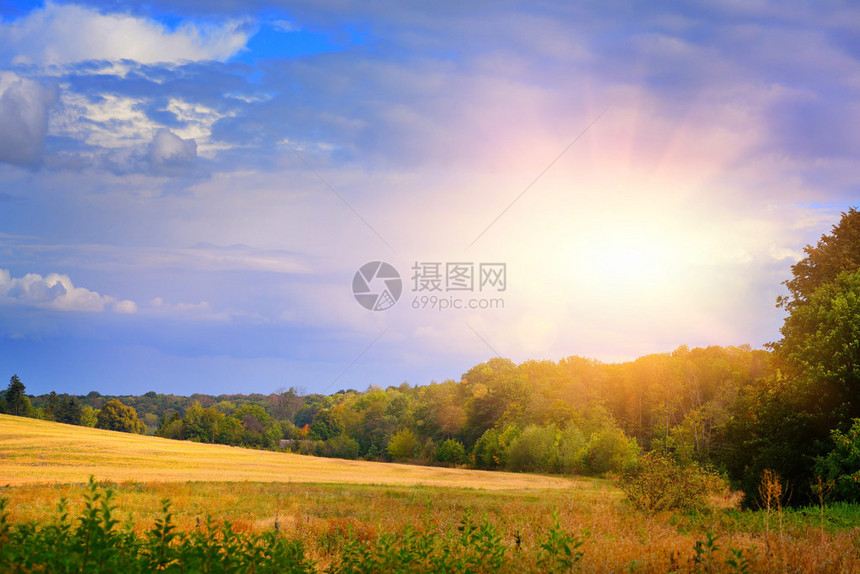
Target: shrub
[491,449]
[451,452]
[93,542]
[842,464]
[341,446]
[402,445]
[610,450]
[657,482]
[535,450]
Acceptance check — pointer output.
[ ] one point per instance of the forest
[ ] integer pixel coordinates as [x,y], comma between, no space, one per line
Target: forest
[790,411]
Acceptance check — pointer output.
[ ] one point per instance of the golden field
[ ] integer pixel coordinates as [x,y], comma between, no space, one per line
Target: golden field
[40,452]
[324,502]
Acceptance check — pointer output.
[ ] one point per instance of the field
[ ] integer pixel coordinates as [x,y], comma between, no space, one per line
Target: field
[327,502]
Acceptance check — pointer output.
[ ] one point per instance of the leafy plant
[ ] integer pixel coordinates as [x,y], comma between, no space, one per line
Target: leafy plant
[657,483]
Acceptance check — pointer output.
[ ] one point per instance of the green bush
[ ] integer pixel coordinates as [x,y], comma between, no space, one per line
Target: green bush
[94,542]
[403,445]
[341,446]
[451,452]
[657,482]
[610,450]
[535,450]
[842,464]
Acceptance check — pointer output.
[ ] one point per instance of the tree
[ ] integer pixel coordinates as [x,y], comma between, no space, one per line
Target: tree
[118,417]
[783,423]
[68,411]
[403,445]
[53,407]
[451,452]
[834,253]
[89,416]
[17,402]
[821,344]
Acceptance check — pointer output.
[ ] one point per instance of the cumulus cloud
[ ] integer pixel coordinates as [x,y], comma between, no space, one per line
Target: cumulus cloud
[57,292]
[24,106]
[170,153]
[58,35]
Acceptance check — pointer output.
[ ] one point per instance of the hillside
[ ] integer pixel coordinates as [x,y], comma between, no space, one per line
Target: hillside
[38,452]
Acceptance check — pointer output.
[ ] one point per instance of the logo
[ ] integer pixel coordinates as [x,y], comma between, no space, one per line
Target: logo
[377,286]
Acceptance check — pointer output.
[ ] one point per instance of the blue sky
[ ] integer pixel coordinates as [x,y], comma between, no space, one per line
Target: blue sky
[187,189]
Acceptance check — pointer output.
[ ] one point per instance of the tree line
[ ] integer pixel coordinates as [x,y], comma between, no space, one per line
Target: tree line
[790,410]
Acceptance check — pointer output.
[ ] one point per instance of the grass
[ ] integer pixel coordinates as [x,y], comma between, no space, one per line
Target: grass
[329,505]
[34,451]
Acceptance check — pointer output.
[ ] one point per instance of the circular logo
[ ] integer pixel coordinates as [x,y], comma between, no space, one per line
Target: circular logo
[377,286]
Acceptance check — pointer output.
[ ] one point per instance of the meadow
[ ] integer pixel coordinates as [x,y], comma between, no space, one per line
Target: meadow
[372,512]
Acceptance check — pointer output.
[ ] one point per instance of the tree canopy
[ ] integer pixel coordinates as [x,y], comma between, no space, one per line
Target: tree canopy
[118,417]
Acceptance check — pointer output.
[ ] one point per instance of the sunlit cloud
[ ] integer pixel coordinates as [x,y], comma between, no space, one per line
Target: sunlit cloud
[56,292]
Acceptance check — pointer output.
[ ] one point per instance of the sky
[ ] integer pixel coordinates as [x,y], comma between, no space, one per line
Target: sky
[234,197]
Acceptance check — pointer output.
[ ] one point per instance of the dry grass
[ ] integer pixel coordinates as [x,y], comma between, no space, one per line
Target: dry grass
[322,500]
[33,451]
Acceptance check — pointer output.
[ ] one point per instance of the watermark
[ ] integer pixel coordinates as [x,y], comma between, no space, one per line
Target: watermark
[434,303]
[377,286]
[436,285]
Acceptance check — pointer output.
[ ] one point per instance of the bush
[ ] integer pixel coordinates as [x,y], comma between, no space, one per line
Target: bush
[657,482]
[842,464]
[93,542]
[402,445]
[451,452]
[535,450]
[610,450]
[491,449]
[572,450]
[341,446]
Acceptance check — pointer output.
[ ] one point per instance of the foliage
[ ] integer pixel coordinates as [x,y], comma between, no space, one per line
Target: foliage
[451,452]
[341,446]
[783,423]
[842,464]
[16,402]
[403,445]
[116,416]
[583,416]
[490,450]
[94,542]
[610,450]
[833,254]
[657,483]
[89,416]
[560,551]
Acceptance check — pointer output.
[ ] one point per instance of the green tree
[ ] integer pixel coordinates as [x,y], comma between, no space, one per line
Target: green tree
[327,424]
[821,345]
[118,417]
[17,402]
[69,411]
[783,423]
[53,407]
[841,466]
[89,416]
[403,445]
[834,253]
[451,452]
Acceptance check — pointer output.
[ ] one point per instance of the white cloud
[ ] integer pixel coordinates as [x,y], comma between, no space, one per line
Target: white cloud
[169,153]
[58,35]
[24,106]
[57,292]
